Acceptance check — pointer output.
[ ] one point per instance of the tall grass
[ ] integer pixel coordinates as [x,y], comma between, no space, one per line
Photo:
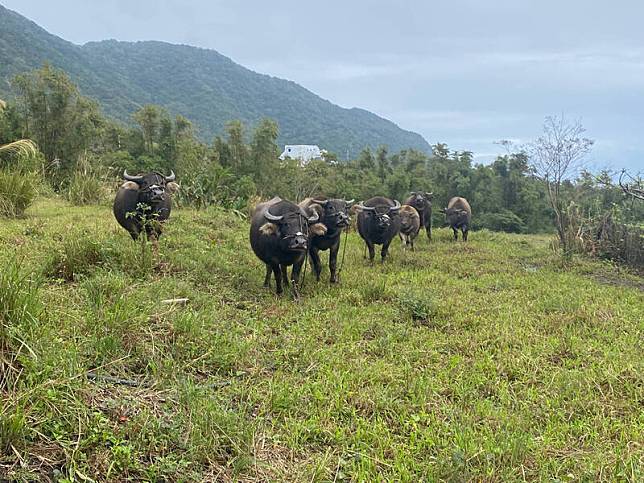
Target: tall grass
[17,192]
[20,308]
[85,187]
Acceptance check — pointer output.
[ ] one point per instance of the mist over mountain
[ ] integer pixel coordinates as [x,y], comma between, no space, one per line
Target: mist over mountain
[202,85]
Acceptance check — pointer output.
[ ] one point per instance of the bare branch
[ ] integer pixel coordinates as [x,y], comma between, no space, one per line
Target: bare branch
[634,189]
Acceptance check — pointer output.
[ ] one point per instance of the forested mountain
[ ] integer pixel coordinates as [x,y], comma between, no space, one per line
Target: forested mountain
[200,84]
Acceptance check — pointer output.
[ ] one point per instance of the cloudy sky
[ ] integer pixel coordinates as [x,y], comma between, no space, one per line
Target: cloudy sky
[467,73]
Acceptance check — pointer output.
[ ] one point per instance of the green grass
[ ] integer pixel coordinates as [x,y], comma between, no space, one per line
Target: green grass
[489,361]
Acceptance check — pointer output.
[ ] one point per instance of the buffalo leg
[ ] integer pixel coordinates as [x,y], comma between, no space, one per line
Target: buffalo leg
[428,229]
[284,274]
[333,261]
[295,278]
[267,278]
[384,251]
[455,234]
[278,278]
[465,232]
[315,261]
[372,252]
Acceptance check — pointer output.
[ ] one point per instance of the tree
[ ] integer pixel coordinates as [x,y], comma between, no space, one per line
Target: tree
[237,150]
[264,152]
[634,188]
[556,156]
[383,164]
[56,116]
[365,160]
[22,147]
[149,119]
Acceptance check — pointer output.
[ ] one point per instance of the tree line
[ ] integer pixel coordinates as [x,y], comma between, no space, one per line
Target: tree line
[80,149]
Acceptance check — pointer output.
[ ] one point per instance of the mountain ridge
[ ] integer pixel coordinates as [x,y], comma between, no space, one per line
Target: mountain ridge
[201,84]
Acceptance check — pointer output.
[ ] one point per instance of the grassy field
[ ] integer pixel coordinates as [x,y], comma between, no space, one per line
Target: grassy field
[488,361]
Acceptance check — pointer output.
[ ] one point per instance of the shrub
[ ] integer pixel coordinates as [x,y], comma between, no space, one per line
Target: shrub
[17,192]
[608,237]
[419,306]
[505,220]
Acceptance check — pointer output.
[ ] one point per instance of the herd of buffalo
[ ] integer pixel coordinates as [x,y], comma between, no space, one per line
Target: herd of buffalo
[283,232]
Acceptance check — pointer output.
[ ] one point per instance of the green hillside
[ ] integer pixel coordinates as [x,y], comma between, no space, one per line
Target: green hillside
[485,361]
[203,85]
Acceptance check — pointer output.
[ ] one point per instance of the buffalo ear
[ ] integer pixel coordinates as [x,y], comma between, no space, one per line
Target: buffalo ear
[172,187]
[130,185]
[318,229]
[268,229]
[443,210]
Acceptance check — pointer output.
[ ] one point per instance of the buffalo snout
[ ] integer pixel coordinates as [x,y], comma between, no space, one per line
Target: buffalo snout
[299,242]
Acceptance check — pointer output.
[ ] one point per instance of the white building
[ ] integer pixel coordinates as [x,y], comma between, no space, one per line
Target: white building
[302,152]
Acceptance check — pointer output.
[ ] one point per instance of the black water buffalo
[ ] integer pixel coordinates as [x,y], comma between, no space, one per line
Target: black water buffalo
[459,216]
[378,223]
[279,236]
[409,225]
[334,216]
[144,202]
[422,201]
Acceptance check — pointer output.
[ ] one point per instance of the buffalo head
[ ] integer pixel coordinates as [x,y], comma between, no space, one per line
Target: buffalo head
[153,186]
[382,218]
[419,199]
[334,213]
[292,228]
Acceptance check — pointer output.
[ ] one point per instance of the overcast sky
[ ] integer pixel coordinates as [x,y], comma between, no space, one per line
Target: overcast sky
[466,73]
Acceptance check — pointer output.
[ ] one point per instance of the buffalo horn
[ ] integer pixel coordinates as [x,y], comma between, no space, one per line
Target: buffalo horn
[396,207]
[366,208]
[128,177]
[170,178]
[320,202]
[314,217]
[350,202]
[271,217]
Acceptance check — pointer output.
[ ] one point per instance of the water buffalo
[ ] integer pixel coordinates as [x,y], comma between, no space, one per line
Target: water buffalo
[409,225]
[143,203]
[459,216]
[378,223]
[334,216]
[279,236]
[422,202]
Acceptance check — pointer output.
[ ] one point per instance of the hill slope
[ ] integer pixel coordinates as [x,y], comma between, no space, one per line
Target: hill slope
[478,361]
[201,84]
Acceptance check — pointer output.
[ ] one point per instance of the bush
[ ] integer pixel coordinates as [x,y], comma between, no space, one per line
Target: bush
[505,221]
[419,306]
[17,192]
[608,237]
